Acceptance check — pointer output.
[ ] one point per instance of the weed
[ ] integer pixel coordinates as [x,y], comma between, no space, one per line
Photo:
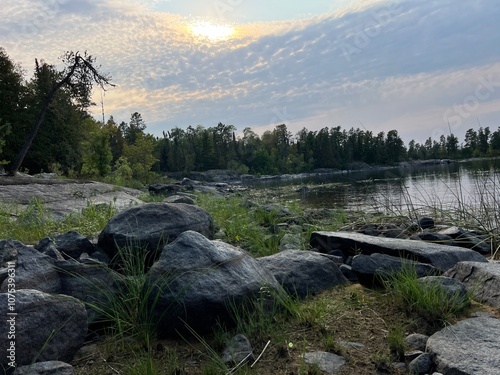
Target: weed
[430,301]
[330,343]
[382,360]
[396,341]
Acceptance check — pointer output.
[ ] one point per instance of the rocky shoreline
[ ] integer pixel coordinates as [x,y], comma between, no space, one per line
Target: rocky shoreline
[56,271]
[232,177]
[55,280]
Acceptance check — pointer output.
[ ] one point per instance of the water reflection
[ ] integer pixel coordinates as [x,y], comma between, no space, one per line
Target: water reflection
[445,186]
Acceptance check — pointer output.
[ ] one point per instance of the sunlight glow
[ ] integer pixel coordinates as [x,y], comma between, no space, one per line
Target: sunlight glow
[213,31]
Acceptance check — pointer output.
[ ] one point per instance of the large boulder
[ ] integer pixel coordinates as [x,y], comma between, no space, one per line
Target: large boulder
[34,270]
[153,225]
[72,244]
[481,279]
[197,282]
[47,327]
[94,284]
[442,257]
[303,272]
[469,347]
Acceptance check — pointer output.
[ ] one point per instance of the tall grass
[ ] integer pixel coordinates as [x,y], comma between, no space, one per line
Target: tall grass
[476,208]
[128,311]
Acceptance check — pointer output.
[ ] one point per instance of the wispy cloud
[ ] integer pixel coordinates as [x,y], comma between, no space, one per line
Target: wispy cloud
[387,64]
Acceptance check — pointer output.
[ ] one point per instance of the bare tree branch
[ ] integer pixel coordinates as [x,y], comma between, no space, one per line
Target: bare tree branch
[79,76]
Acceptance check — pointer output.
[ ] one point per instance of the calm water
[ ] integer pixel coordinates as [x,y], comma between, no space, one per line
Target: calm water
[473,183]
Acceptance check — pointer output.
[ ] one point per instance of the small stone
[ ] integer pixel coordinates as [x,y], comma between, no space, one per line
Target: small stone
[410,356]
[237,350]
[420,365]
[416,341]
[426,222]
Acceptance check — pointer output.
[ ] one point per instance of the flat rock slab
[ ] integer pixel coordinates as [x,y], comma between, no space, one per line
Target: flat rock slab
[469,347]
[62,197]
[482,279]
[440,256]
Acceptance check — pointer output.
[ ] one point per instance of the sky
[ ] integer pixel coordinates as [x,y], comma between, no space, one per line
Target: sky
[424,68]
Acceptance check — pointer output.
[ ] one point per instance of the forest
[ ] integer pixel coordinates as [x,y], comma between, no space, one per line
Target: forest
[71,142]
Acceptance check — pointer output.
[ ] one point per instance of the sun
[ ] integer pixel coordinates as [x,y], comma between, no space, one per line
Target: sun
[213,31]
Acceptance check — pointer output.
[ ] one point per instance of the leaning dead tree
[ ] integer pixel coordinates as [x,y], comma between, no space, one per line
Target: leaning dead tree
[78,77]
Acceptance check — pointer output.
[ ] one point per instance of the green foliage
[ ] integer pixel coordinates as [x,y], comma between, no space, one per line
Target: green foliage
[429,301]
[240,225]
[97,156]
[140,156]
[35,222]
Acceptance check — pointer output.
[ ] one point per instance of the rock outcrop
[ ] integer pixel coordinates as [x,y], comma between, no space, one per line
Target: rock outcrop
[47,327]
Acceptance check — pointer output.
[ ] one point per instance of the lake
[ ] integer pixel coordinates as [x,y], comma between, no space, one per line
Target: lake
[467,185]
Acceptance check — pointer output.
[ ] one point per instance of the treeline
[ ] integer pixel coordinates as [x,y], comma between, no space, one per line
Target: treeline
[70,141]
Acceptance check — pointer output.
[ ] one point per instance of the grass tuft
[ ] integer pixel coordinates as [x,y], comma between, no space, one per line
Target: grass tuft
[429,301]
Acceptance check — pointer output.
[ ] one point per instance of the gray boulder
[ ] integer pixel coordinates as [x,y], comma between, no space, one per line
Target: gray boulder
[197,282]
[45,368]
[426,222]
[48,247]
[440,256]
[452,288]
[420,365]
[152,225]
[34,270]
[47,327]
[482,279]
[469,239]
[179,199]
[416,341]
[303,272]
[94,284]
[469,347]
[370,268]
[163,188]
[442,239]
[8,251]
[72,244]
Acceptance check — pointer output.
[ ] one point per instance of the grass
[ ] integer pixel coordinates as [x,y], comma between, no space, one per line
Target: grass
[258,230]
[35,222]
[429,301]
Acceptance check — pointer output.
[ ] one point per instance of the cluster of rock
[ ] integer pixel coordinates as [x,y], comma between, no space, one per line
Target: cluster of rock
[193,280]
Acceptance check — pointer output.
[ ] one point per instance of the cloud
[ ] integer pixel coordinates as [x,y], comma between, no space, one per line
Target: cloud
[384,63]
